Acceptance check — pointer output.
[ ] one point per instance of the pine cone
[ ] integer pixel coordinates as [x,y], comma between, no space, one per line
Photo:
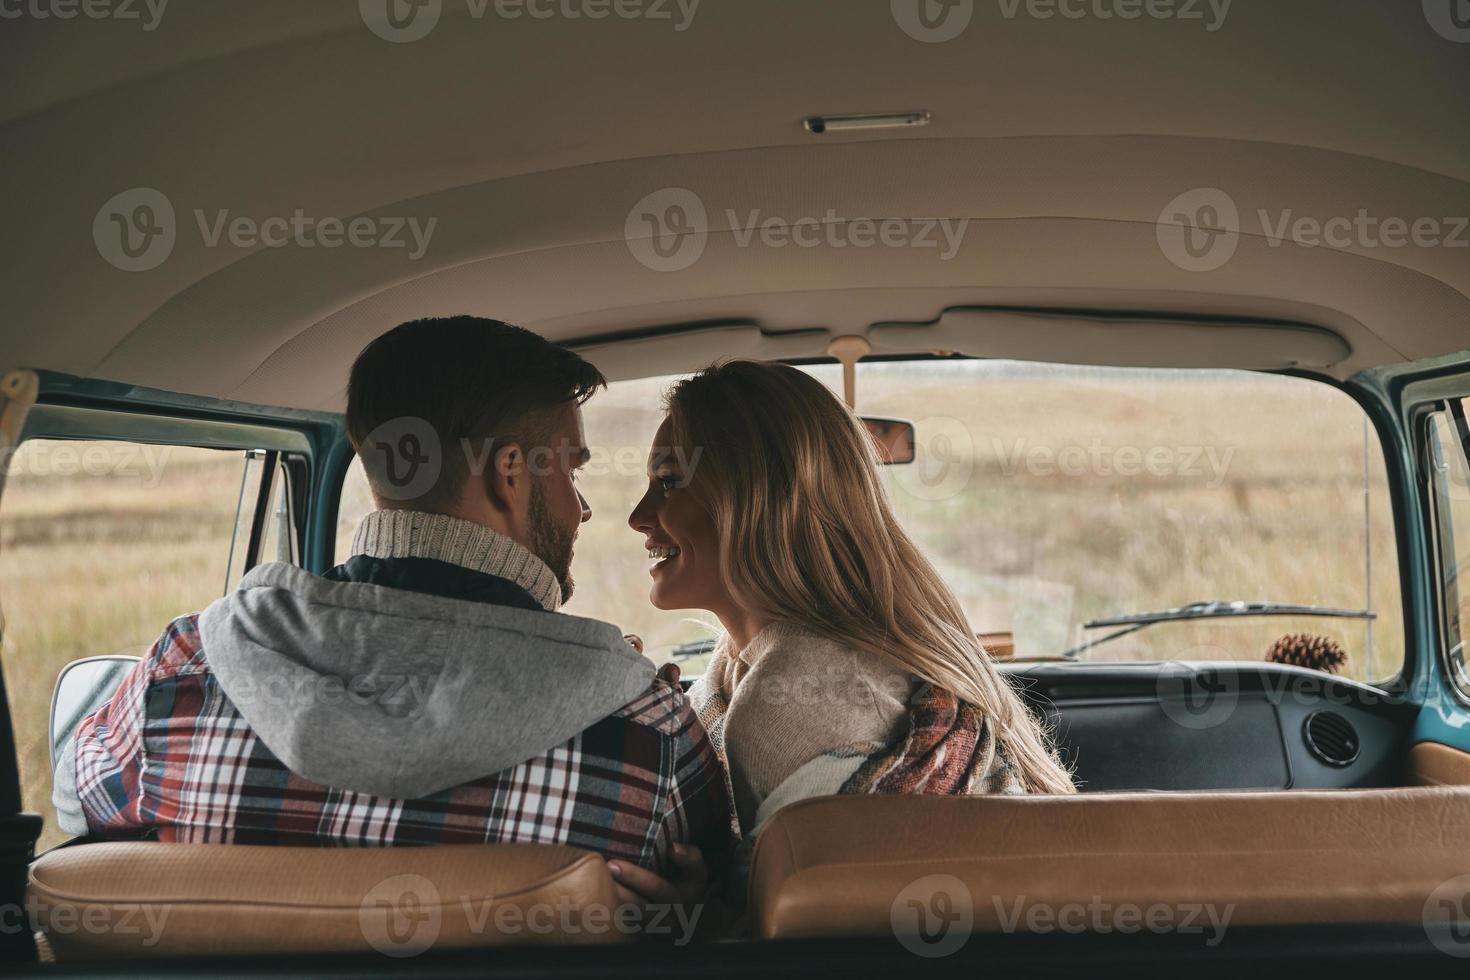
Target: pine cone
[1304,650]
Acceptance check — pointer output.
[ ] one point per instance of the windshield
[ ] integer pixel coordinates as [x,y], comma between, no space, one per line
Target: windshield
[1051,497]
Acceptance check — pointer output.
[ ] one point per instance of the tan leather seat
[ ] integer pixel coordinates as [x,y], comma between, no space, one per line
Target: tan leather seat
[111,900]
[1434,764]
[849,866]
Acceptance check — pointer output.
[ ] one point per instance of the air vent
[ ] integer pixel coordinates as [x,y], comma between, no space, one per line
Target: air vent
[1332,738]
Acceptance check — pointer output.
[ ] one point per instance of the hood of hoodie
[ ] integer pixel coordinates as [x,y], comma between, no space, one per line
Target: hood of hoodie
[401,694]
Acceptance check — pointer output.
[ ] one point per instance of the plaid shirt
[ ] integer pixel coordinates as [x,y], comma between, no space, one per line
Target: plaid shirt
[170,756]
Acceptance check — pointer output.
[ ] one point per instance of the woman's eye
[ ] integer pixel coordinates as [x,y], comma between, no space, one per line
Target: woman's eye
[666,483]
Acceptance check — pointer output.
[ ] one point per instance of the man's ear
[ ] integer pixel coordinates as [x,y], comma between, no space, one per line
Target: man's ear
[508,478]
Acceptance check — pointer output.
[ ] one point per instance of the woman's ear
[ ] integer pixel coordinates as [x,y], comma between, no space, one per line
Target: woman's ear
[507,481]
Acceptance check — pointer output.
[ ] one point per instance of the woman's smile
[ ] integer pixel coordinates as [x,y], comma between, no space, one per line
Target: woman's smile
[678,532]
[662,557]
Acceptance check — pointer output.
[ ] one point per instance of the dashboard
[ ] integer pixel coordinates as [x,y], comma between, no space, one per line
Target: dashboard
[1216,726]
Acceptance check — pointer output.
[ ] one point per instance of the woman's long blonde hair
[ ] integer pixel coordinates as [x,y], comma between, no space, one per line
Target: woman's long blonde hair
[807,535]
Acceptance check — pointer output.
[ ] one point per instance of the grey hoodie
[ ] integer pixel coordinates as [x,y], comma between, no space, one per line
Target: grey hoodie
[401,694]
[396,693]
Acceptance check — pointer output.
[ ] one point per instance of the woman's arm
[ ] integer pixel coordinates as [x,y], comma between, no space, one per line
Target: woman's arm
[804,715]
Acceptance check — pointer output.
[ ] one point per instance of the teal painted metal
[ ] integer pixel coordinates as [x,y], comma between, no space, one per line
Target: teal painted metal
[1415,554]
[91,422]
[328,470]
[67,389]
[71,407]
[1409,389]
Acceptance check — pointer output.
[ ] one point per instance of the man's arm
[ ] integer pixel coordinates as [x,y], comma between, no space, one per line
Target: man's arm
[98,780]
[694,838]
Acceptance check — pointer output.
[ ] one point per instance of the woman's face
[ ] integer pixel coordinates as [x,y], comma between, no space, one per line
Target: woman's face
[682,541]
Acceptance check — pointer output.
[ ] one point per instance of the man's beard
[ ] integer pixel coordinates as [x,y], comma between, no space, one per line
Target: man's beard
[551,543]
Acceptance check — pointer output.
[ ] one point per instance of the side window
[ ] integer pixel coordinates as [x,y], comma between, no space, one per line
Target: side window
[104,544]
[1450,478]
[278,542]
[278,539]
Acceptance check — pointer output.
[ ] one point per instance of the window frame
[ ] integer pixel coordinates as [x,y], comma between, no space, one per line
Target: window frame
[329,507]
[1416,395]
[288,450]
[287,467]
[1441,532]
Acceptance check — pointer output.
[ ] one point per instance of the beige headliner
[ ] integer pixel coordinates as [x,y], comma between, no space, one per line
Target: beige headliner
[529,141]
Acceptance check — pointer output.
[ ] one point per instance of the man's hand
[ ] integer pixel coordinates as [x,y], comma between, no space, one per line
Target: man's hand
[641,887]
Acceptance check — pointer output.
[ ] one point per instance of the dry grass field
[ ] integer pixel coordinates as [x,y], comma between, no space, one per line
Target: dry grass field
[1045,497]
[1233,486]
[98,563]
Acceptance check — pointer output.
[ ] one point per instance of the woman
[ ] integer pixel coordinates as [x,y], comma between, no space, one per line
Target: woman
[846,665]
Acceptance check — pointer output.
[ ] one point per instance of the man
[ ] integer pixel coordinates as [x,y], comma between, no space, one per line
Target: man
[425,691]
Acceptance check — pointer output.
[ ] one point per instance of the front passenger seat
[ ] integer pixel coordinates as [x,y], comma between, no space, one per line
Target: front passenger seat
[854,865]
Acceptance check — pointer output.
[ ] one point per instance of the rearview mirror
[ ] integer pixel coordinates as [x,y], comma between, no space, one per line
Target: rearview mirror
[82,688]
[894,439]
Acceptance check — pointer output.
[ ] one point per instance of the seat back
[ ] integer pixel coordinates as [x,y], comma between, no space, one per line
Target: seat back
[851,866]
[1434,764]
[112,900]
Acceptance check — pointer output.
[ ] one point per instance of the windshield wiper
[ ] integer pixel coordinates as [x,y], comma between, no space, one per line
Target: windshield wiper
[695,648]
[1134,622]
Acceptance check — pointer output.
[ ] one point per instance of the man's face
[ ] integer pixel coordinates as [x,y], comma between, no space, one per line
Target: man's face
[557,509]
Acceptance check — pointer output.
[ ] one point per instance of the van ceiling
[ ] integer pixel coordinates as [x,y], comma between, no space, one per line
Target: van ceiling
[529,141]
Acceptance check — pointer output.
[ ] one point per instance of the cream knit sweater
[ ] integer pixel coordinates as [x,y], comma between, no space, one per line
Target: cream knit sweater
[794,714]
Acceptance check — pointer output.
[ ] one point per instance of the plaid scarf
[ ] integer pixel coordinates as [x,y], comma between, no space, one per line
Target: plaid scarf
[949,750]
